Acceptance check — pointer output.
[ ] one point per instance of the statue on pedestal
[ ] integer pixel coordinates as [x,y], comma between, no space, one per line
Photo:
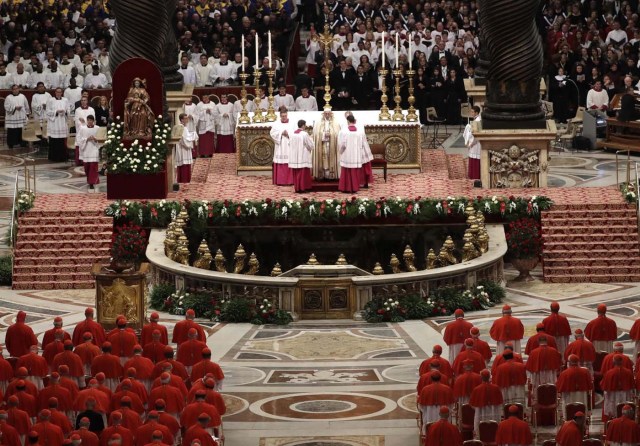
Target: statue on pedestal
[138,116]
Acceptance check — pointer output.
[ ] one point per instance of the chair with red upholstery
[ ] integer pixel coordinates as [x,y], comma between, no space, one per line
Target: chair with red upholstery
[465,422]
[570,411]
[544,411]
[379,158]
[488,431]
[591,442]
[472,443]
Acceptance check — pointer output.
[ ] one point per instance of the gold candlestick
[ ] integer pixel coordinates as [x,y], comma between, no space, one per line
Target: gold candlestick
[271,112]
[397,110]
[411,115]
[384,110]
[327,39]
[244,114]
[327,94]
[257,114]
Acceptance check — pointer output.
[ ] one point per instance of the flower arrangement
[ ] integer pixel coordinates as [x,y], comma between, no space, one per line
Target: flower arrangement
[629,192]
[26,200]
[478,297]
[306,211]
[265,308]
[139,157]
[174,304]
[391,310]
[524,239]
[128,243]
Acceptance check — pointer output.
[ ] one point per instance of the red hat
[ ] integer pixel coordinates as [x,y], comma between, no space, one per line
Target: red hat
[87,335]
[67,342]
[160,403]
[192,332]
[201,392]
[131,372]
[506,309]
[467,362]
[574,358]
[121,320]
[578,414]
[137,348]
[156,433]
[22,371]
[125,399]
[85,420]
[513,409]
[555,306]
[458,313]
[474,331]
[626,408]
[435,374]
[508,344]
[578,332]
[156,332]
[57,320]
[164,376]
[20,383]
[539,326]
[100,376]
[168,349]
[88,311]
[209,382]
[45,413]
[106,344]
[602,308]
[206,351]
[93,382]
[153,413]
[13,399]
[485,373]
[437,348]
[63,369]
[190,312]
[126,382]
[204,416]
[468,342]
[116,436]
[618,345]
[75,437]
[33,434]
[55,375]
[154,316]
[53,401]
[444,410]
[116,415]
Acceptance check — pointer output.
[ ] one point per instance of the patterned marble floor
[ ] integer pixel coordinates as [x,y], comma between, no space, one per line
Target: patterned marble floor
[338,383]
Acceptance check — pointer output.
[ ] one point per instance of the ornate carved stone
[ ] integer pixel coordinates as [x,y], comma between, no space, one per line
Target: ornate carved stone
[342,260]
[409,259]
[120,294]
[220,262]
[312,260]
[431,259]
[276,271]
[240,256]
[514,167]
[394,263]
[204,256]
[377,269]
[254,265]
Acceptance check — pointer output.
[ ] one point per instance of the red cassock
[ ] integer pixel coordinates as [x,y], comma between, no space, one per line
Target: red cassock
[10,436]
[27,403]
[601,329]
[157,443]
[12,388]
[425,380]
[60,419]
[569,434]
[214,398]
[556,325]
[618,378]
[49,337]
[71,386]
[607,363]
[544,358]
[443,433]
[35,364]
[582,348]
[574,379]
[436,394]
[154,351]
[176,369]
[457,331]
[500,360]
[136,402]
[190,352]
[65,403]
[92,327]
[143,366]
[465,383]
[52,350]
[481,347]
[108,364]
[514,431]
[87,351]
[193,410]
[136,387]
[533,342]
[19,419]
[181,332]
[507,328]
[509,374]
[102,400]
[147,333]
[6,369]
[176,382]
[169,420]
[106,390]
[172,397]
[130,419]
[634,334]
[623,430]
[122,343]
[472,355]
[445,366]
[206,366]
[88,438]
[486,394]
[49,434]
[197,432]
[116,330]
[126,434]
[145,432]
[71,360]
[19,337]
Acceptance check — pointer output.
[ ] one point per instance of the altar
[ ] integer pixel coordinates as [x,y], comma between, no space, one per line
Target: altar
[255,147]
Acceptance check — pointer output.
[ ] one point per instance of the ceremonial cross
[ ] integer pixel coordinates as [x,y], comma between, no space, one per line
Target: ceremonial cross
[326,38]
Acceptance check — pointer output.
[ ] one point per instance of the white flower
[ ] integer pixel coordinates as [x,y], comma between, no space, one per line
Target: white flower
[117,118]
[163,141]
[261,307]
[264,205]
[155,165]
[439,208]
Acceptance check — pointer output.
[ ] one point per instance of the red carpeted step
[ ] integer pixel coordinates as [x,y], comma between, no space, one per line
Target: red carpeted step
[456,167]
[44,245]
[324,186]
[616,219]
[65,236]
[583,227]
[576,253]
[55,261]
[51,285]
[595,278]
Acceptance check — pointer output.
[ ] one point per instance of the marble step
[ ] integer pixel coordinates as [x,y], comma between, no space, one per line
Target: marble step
[565,254]
[592,221]
[55,261]
[65,236]
[592,238]
[76,251]
[595,278]
[49,285]
[593,229]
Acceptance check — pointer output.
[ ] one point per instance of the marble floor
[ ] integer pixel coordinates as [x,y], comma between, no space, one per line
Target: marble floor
[339,383]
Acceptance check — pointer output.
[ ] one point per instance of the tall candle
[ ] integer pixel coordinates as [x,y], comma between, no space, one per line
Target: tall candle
[383,49]
[410,53]
[270,60]
[242,53]
[257,51]
[397,51]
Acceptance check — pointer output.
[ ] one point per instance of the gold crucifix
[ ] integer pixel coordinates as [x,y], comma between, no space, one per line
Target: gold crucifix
[327,39]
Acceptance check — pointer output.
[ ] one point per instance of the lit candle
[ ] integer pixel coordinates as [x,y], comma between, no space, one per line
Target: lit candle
[242,45]
[383,50]
[410,53]
[397,51]
[270,60]
[257,51]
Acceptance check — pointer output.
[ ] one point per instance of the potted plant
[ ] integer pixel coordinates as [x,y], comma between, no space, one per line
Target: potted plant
[524,242]
[128,245]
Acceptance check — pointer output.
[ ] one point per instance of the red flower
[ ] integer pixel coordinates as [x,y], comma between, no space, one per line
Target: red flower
[377,213]
[502,207]
[353,198]
[343,211]
[409,208]
[380,311]
[268,201]
[154,212]
[378,205]
[217,312]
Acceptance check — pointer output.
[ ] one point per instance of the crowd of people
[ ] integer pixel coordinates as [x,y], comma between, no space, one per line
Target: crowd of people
[113,388]
[501,389]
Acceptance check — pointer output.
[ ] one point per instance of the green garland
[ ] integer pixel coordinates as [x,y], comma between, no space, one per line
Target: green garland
[333,211]
[26,200]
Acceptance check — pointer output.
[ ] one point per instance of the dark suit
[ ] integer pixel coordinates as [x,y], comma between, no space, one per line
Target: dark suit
[342,82]
[362,89]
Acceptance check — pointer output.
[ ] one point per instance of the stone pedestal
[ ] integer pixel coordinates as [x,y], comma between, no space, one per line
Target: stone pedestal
[514,158]
[175,100]
[478,92]
[120,293]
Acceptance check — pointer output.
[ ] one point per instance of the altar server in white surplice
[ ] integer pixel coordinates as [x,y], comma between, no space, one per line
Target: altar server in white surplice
[191,110]
[474,146]
[350,145]
[206,126]
[300,158]
[224,72]
[89,149]
[203,72]
[16,110]
[306,102]
[284,99]
[39,103]
[183,151]
[80,119]
[281,133]
[57,127]
[225,126]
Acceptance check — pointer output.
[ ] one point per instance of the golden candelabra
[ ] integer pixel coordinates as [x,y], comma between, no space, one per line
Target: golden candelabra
[257,114]
[397,110]
[271,112]
[384,110]
[244,114]
[412,116]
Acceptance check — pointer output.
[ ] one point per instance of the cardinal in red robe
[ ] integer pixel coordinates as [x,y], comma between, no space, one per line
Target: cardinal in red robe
[213,397]
[166,419]
[19,337]
[91,393]
[6,373]
[171,395]
[68,382]
[37,366]
[532,342]
[634,334]
[98,335]
[109,365]
[154,350]
[143,366]
[511,377]
[574,383]
[618,385]
[432,397]
[602,331]
[486,398]
[49,433]
[465,383]
[425,378]
[190,351]
[147,330]
[607,362]
[10,435]
[572,431]
[116,427]
[122,340]
[143,433]
[58,417]
[156,439]
[136,402]
[508,348]
[480,345]
[205,366]
[200,432]
[87,351]
[21,378]
[544,364]
[455,334]
[557,325]
[130,418]
[181,329]
[53,348]
[193,410]
[442,432]
[507,329]
[174,380]
[445,365]
[623,430]
[468,354]
[48,336]
[87,437]
[583,349]
[176,367]
[137,387]
[513,430]
[54,389]
[72,360]
[17,417]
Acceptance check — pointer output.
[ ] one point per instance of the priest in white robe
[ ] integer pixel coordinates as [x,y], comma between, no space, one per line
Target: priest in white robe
[206,126]
[57,127]
[183,156]
[474,146]
[39,103]
[16,109]
[280,133]
[203,72]
[284,99]
[225,126]
[224,72]
[300,158]
[350,143]
[326,160]
[306,102]
[89,149]
[187,71]
[80,119]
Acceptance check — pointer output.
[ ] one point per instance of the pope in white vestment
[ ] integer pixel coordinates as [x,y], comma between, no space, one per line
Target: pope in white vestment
[183,156]
[281,133]
[326,160]
[300,158]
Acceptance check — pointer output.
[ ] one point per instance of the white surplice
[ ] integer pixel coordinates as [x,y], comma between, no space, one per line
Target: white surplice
[225,122]
[301,148]
[282,141]
[17,109]
[57,126]
[89,150]
[39,105]
[183,155]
